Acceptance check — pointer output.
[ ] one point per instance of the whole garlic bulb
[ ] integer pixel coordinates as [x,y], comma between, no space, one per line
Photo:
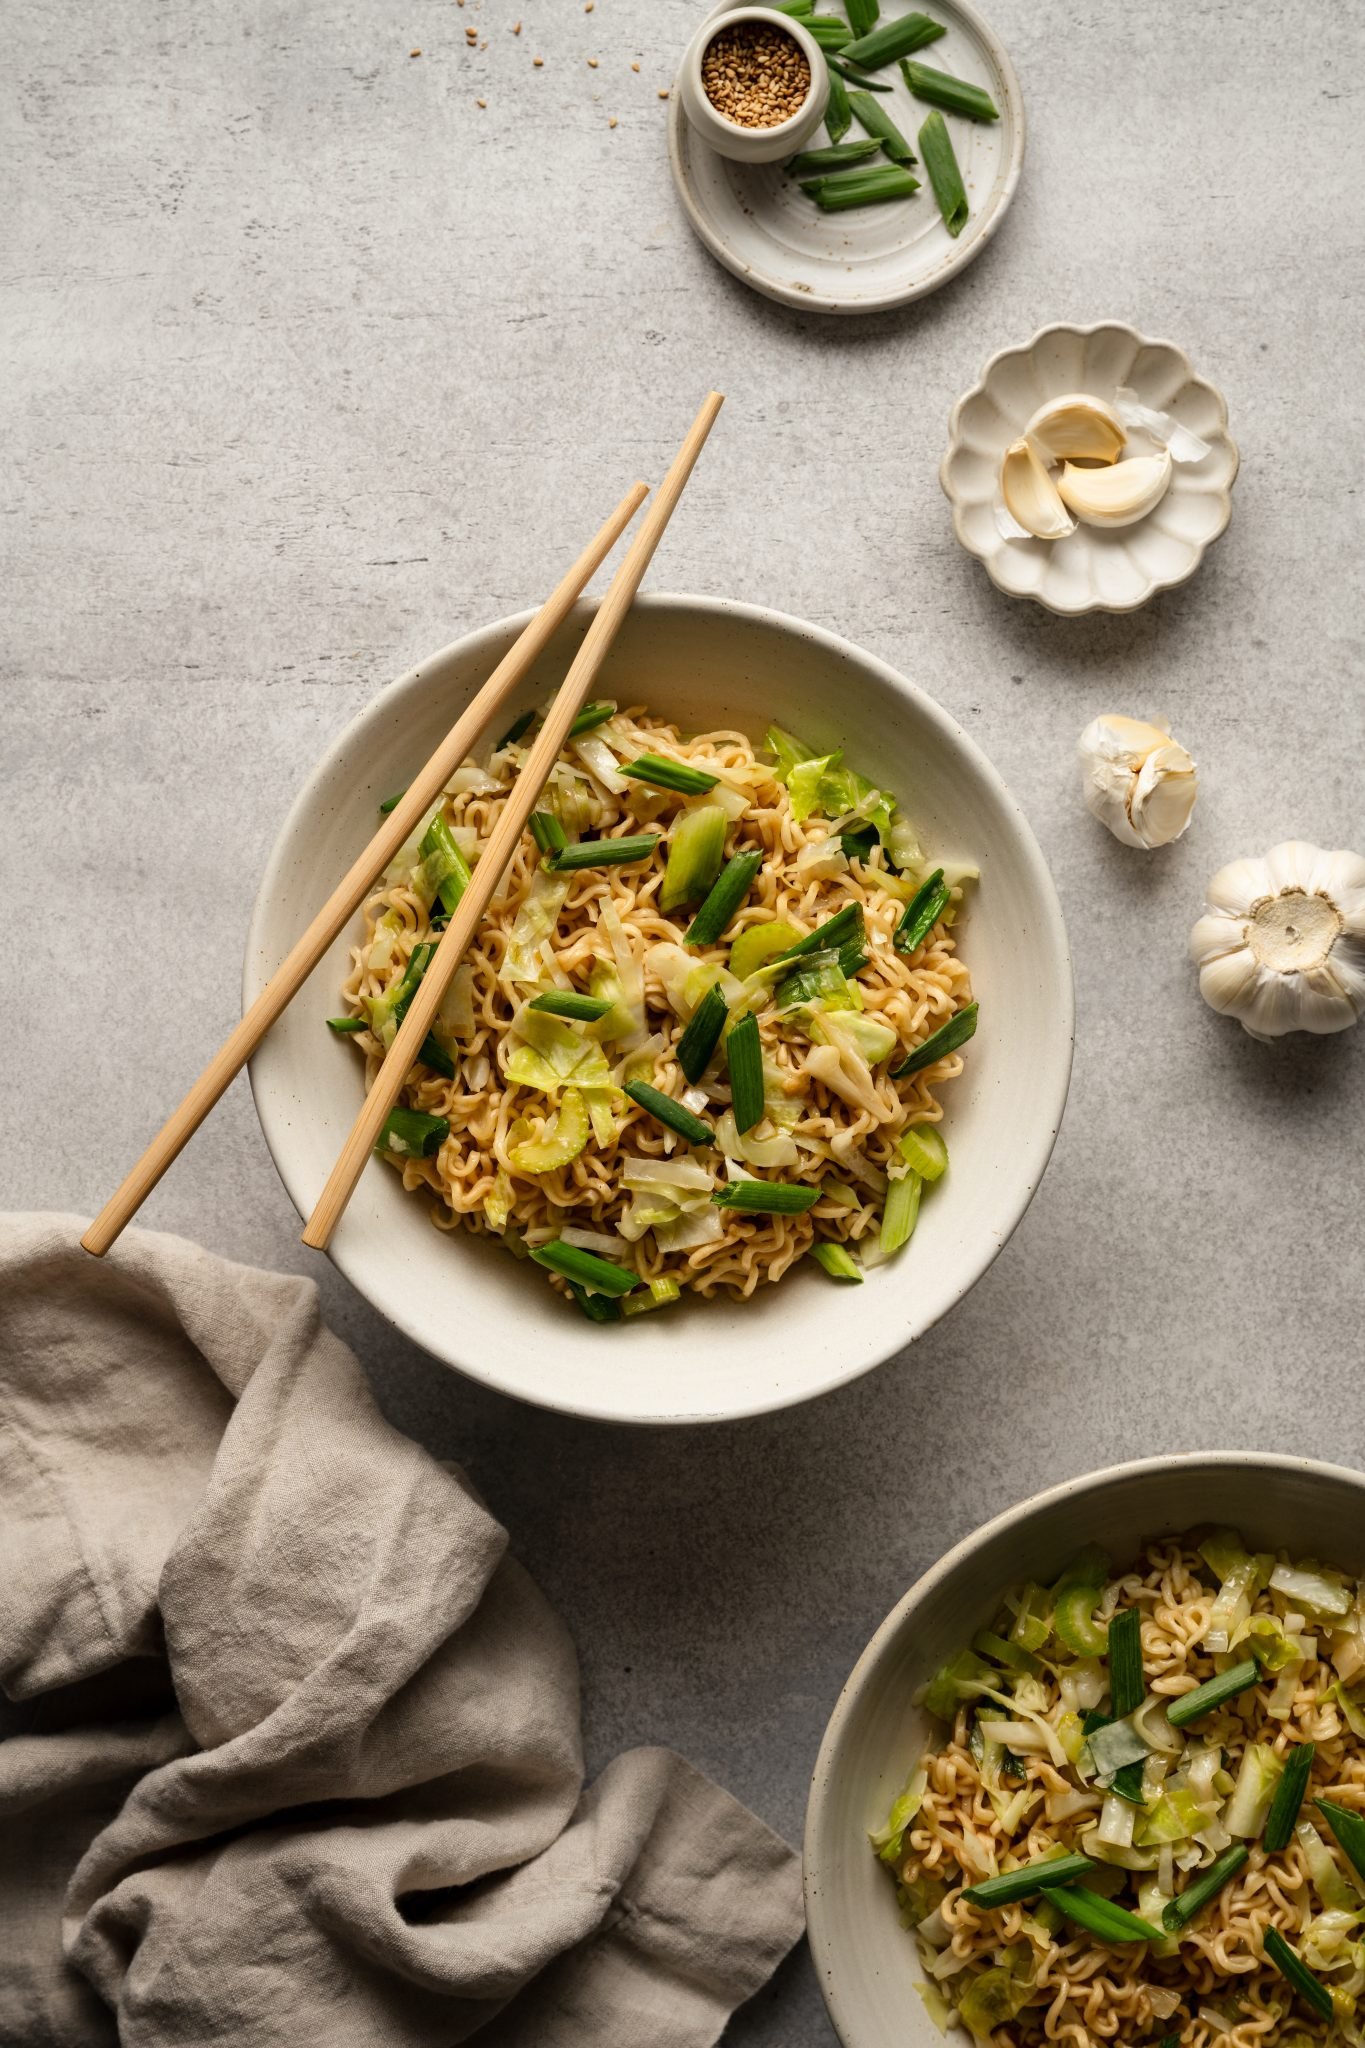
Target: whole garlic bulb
[1138,780]
[1281,946]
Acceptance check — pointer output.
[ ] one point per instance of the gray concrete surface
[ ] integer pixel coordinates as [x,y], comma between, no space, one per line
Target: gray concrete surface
[310,363]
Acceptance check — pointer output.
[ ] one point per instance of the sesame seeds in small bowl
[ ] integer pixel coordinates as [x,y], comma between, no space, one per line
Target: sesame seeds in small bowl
[754,84]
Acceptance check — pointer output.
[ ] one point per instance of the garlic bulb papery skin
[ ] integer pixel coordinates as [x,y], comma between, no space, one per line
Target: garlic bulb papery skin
[1138,780]
[1281,946]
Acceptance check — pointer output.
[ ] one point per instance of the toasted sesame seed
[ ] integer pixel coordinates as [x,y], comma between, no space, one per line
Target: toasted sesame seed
[663,92]
[537,61]
[414,53]
[592,63]
[634,67]
[755,75]
[612,122]
[516,28]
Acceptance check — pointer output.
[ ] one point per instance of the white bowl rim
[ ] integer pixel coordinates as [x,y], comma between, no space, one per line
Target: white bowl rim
[1052,1098]
[823,1952]
[1155,584]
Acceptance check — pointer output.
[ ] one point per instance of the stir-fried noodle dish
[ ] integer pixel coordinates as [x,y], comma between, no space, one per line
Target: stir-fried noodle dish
[1145,1818]
[702,1029]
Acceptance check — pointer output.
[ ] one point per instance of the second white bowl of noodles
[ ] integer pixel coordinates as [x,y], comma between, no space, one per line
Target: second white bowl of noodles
[702,663]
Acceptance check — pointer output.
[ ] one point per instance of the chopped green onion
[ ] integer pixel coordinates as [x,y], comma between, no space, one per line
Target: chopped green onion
[388,1011]
[900,1212]
[434,1055]
[696,848]
[589,716]
[796,7]
[558,1002]
[837,1260]
[1214,1692]
[598,1308]
[603,853]
[940,161]
[843,929]
[838,69]
[941,89]
[828,33]
[391,803]
[987,1643]
[1013,1885]
[728,891]
[857,845]
[666,1111]
[344,1026]
[446,865]
[860,188]
[893,39]
[767,1197]
[412,1134]
[658,1294]
[573,1263]
[836,157]
[1314,1994]
[517,730]
[940,1043]
[1284,1807]
[744,1056]
[1127,1691]
[1349,1830]
[702,1035]
[862,15]
[881,127]
[1101,1917]
[923,1150]
[922,913]
[1179,1913]
[838,116]
[661,773]
[547,832]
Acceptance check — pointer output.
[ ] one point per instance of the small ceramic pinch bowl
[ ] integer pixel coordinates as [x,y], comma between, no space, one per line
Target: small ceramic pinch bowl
[1093,568]
[731,138]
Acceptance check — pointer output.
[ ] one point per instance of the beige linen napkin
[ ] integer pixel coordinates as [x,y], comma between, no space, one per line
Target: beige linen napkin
[299,1763]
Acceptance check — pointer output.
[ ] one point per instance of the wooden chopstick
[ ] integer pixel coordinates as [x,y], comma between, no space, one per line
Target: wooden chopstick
[352,890]
[493,861]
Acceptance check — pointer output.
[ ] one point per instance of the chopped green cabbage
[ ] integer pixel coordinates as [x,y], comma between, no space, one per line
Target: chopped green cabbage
[888,1840]
[788,749]
[497,1203]
[1249,1806]
[533,925]
[1321,1594]
[992,1998]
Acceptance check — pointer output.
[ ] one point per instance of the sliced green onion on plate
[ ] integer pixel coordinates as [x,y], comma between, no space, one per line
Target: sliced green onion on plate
[728,891]
[573,1263]
[940,161]
[744,1057]
[702,1035]
[665,1110]
[1214,1692]
[603,853]
[661,773]
[941,89]
[1013,1885]
[893,39]
[412,1134]
[837,1260]
[558,1002]
[766,1197]
[940,1043]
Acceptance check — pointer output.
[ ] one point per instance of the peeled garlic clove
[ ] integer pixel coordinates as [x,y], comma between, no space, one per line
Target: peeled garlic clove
[1031,496]
[1139,782]
[1117,496]
[1076,428]
[1281,946]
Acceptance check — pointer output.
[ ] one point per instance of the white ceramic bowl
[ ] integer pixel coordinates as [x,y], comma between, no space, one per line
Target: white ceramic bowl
[705,663]
[727,137]
[1091,570]
[866,1961]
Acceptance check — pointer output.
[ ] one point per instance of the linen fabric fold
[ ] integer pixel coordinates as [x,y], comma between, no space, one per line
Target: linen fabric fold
[297,1756]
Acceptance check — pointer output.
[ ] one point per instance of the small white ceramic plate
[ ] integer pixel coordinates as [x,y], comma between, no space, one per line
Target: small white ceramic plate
[759,223]
[1091,570]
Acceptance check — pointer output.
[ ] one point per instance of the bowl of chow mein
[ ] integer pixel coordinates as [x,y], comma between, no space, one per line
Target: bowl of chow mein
[1100,1776]
[756,1059]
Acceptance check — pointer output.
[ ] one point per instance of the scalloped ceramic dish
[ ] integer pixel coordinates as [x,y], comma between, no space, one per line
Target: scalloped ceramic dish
[1091,570]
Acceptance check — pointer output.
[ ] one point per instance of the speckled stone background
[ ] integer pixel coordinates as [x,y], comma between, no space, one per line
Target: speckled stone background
[310,363]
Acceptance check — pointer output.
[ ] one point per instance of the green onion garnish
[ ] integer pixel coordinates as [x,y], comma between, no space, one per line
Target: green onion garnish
[1127,1690]
[940,161]
[837,157]
[923,1150]
[838,69]
[862,15]
[1179,1913]
[388,1011]
[447,869]
[598,1308]
[940,1043]
[573,1263]
[922,913]
[603,853]
[744,1056]
[657,1294]
[1101,1917]
[893,39]
[517,730]
[1291,1966]
[729,890]
[941,89]
[547,832]
[837,1260]
[1013,1885]
[391,803]
[661,773]
[1284,1807]
[433,1054]
[767,1197]
[987,1643]
[665,1110]
[839,192]
[900,1212]
[412,1134]
[845,928]
[589,716]
[881,127]
[696,847]
[1349,1830]
[828,33]
[1192,1706]
[344,1026]
[702,1035]
[794,7]
[557,1002]
[838,116]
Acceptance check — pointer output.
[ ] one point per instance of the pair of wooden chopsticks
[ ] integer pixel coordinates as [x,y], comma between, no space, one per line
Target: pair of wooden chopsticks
[424,791]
